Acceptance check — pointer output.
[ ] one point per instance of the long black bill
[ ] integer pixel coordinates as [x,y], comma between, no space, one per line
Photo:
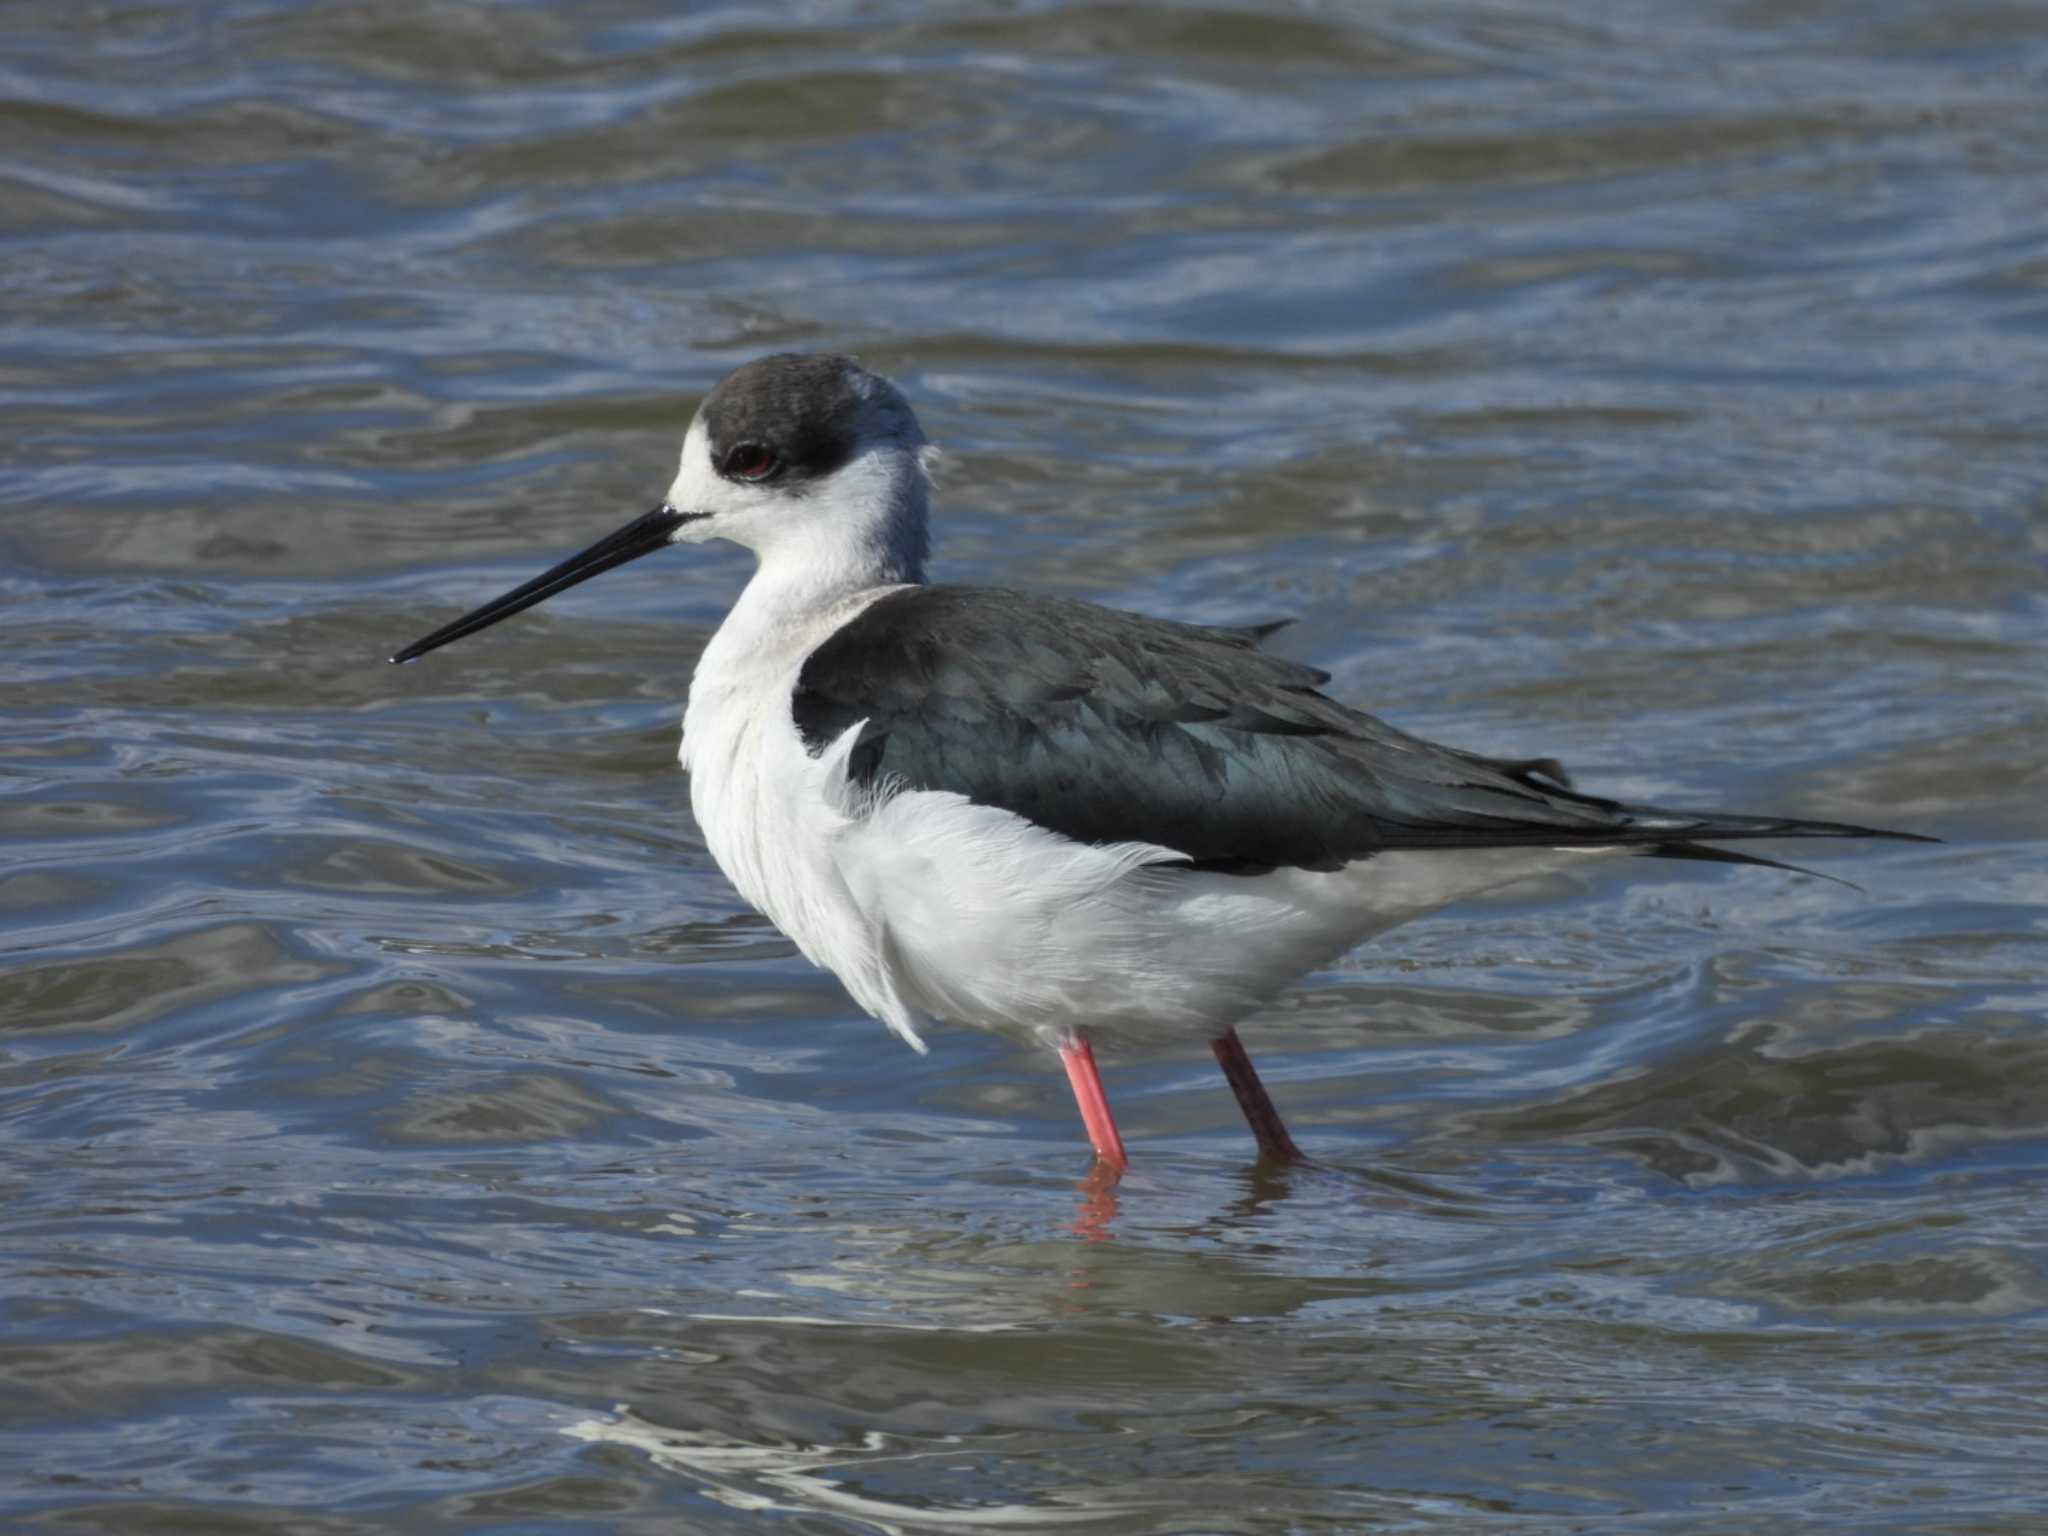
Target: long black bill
[643,536]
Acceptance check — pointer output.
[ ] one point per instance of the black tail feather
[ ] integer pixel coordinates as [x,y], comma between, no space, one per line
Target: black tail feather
[1701,853]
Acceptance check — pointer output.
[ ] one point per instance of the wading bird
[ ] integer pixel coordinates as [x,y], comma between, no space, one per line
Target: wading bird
[1029,814]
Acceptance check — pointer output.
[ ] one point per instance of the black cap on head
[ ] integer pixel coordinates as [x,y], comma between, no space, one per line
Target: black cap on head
[806,409]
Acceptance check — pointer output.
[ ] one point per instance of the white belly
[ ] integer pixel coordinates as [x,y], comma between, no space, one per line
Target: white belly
[984,919]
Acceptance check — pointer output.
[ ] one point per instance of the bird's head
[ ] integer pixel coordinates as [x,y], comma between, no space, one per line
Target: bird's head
[807,459]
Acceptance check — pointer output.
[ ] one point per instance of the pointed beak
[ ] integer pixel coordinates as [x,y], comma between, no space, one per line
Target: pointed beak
[644,535]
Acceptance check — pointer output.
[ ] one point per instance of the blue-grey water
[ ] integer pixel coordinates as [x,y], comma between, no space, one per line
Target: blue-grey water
[403,1126]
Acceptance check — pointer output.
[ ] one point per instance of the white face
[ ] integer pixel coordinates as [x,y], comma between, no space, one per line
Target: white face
[739,512]
[864,503]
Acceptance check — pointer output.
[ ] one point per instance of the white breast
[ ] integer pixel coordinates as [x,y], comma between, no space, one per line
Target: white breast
[775,818]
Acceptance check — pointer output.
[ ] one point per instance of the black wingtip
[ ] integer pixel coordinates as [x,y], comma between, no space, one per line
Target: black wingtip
[1694,827]
[1841,829]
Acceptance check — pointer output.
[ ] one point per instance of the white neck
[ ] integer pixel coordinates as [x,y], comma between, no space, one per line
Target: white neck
[863,527]
[858,534]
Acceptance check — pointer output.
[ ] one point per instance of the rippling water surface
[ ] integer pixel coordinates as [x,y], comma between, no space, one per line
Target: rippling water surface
[406,1128]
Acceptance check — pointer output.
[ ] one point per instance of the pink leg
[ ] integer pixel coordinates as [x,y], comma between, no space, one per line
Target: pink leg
[1275,1144]
[1095,1115]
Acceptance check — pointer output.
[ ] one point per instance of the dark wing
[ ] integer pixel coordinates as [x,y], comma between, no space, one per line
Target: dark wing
[1109,727]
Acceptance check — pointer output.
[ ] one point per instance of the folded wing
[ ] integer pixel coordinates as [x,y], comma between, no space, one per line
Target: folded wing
[1106,726]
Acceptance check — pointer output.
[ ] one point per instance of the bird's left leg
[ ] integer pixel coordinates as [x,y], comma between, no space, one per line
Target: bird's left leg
[1079,1061]
[1274,1143]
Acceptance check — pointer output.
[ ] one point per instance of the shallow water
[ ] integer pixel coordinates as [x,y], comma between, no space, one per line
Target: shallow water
[406,1128]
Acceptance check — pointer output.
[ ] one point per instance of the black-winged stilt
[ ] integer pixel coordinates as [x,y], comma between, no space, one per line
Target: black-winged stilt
[1035,815]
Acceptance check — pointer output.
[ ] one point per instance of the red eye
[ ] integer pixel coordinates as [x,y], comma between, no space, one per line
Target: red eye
[751,461]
